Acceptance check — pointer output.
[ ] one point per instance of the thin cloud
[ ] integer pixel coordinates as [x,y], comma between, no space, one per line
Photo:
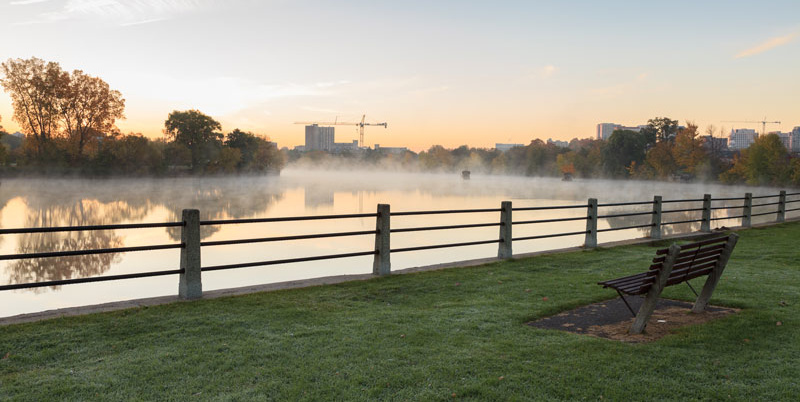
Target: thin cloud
[320,110]
[769,44]
[121,12]
[128,24]
[548,70]
[26,2]
[221,96]
[430,90]
[623,88]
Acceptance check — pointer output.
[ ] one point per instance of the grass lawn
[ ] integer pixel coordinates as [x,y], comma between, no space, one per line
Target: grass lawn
[428,336]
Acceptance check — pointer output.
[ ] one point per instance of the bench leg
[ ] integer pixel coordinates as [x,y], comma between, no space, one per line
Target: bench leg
[645,311]
[621,296]
[649,305]
[713,277]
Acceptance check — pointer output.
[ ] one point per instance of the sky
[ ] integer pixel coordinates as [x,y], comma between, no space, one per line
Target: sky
[438,72]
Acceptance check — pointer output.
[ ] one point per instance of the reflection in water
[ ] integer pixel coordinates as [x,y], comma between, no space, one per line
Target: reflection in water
[731,209]
[57,268]
[318,197]
[667,227]
[76,214]
[51,203]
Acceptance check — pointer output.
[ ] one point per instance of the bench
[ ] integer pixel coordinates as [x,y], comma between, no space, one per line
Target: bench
[671,266]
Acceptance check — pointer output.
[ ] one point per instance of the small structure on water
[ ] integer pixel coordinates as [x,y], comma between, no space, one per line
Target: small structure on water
[567,177]
[465,174]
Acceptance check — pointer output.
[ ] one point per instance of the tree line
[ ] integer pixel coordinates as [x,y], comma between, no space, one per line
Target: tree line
[662,150]
[68,120]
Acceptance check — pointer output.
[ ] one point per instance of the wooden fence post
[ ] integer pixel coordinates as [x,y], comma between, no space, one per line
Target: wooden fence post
[591,224]
[705,225]
[655,230]
[504,249]
[748,210]
[782,207]
[382,264]
[190,285]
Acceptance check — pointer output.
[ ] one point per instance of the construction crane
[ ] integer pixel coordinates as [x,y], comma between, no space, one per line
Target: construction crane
[336,122]
[763,123]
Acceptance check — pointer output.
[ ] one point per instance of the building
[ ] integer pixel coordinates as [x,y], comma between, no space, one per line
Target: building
[390,150]
[714,144]
[319,138]
[506,147]
[741,138]
[342,147]
[786,139]
[604,130]
[794,140]
[560,144]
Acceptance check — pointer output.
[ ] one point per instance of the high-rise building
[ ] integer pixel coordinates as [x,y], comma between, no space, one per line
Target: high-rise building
[794,140]
[741,138]
[319,138]
[786,139]
[604,130]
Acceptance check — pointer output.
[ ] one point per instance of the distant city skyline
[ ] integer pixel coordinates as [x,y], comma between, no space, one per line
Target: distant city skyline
[447,73]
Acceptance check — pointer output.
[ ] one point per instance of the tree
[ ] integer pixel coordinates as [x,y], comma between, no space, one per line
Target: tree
[589,157]
[257,153]
[660,129]
[767,161]
[688,151]
[660,158]
[32,85]
[195,131]
[566,162]
[436,158]
[88,108]
[625,149]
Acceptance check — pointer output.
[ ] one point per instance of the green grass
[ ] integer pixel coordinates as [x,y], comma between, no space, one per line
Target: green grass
[427,336]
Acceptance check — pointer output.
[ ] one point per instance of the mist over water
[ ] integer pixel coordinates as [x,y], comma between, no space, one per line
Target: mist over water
[297,192]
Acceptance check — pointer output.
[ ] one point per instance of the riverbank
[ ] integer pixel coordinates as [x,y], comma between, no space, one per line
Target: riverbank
[427,335]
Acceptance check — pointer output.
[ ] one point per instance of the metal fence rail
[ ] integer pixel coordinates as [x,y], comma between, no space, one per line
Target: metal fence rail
[190,285]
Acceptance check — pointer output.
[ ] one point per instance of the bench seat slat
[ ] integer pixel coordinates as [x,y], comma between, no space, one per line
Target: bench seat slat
[624,278]
[695,245]
[688,270]
[689,262]
[688,254]
[633,284]
[692,275]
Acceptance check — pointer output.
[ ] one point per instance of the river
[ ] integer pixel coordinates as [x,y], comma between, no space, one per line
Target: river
[71,202]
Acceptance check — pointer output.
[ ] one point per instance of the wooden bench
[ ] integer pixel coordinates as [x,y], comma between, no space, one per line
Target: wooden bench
[671,266]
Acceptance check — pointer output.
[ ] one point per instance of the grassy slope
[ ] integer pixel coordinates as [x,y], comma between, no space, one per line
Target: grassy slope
[426,337]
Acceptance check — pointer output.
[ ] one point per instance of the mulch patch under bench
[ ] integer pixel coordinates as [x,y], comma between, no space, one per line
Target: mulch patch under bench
[611,319]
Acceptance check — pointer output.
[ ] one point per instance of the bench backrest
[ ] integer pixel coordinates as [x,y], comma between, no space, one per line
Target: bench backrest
[694,260]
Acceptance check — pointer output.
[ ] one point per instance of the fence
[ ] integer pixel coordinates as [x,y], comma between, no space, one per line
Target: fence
[190,268]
